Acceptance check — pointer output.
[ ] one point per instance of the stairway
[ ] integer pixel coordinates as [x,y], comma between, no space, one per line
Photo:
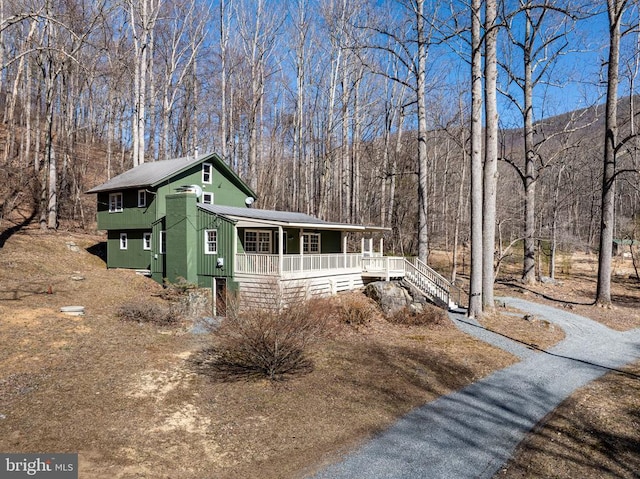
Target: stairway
[432,284]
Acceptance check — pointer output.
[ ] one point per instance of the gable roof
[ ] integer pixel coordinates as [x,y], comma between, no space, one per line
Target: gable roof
[252,217]
[151,174]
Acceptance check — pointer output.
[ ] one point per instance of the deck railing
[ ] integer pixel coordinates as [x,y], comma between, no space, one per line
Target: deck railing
[269,264]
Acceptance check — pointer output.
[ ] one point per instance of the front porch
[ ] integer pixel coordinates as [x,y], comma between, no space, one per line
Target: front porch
[305,266]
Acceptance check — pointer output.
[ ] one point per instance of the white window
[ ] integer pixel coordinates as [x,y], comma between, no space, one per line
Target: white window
[211,241]
[142,198]
[146,241]
[163,242]
[207,198]
[311,243]
[207,173]
[256,241]
[115,202]
[123,240]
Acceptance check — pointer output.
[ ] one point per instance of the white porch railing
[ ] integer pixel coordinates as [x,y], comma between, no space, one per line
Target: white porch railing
[269,264]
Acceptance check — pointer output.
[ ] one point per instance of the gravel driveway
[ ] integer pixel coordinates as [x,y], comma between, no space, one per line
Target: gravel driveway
[471,433]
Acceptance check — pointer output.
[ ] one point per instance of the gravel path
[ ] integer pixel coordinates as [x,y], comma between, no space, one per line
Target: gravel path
[471,433]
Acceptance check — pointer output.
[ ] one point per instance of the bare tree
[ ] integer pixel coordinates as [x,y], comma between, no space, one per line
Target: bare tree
[475,286]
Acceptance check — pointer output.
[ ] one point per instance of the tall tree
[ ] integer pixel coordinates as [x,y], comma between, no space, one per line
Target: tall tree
[475,286]
[615,10]
[490,155]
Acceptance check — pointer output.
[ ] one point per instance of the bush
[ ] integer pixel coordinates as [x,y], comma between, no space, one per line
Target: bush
[147,312]
[429,316]
[263,344]
[356,309]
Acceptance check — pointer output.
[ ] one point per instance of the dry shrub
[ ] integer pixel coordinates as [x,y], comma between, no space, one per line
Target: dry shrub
[356,309]
[263,344]
[429,316]
[147,312]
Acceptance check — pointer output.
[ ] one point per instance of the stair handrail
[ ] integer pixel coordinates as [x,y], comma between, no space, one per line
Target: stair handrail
[442,285]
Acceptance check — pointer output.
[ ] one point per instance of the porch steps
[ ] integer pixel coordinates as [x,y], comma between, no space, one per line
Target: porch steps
[431,283]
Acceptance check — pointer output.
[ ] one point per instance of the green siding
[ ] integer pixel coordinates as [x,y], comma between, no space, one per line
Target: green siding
[131,217]
[134,256]
[207,263]
[181,237]
[330,241]
[158,259]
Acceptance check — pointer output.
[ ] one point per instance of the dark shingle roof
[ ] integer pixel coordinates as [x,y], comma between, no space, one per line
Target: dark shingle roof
[147,174]
[283,218]
[153,173]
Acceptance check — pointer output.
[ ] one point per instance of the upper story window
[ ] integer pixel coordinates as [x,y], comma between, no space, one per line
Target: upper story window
[211,241]
[311,243]
[142,198]
[207,173]
[256,241]
[115,202]
[123,240]
[207,198]
[146,240]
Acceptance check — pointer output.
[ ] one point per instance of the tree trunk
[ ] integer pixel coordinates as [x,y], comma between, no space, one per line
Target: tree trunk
[603,292]
[423,238]
[491,156]
[475,287]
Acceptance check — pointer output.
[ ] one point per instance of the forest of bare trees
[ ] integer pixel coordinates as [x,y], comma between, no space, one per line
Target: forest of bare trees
[352,110]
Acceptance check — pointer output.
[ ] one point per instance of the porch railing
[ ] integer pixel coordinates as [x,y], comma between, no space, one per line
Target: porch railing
[269,264]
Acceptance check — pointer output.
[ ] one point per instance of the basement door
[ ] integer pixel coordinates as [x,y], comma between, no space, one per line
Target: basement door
[220,297]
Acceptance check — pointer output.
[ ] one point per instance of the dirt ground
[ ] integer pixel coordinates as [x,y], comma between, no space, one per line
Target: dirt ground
[128,399]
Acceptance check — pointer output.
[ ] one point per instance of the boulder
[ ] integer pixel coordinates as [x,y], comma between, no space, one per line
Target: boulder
[389,295]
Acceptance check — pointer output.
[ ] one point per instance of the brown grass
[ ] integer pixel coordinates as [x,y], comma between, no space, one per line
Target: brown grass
[126,396]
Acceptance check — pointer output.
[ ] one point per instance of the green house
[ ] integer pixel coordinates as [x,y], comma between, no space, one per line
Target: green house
[194,218]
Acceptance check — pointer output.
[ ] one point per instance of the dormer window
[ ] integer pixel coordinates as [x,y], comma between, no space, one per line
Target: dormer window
[115,202]
[142,198]
[207,173]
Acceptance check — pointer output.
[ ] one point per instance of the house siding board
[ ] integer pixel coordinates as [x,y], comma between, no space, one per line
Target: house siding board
[158,260]
[207,263]
[134,257]
[131,216]
[181,238]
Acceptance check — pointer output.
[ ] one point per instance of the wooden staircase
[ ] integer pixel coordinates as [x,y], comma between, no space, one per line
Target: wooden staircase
[432,284]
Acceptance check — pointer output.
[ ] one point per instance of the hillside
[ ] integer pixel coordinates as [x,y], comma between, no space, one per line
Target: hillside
[127,397]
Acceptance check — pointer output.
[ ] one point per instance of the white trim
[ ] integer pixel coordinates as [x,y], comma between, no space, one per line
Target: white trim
[146,240]
[142,195]
[116,206]
[205,173]
[306,241]
[206,195]
[208,242]
[123,241]
[258,241]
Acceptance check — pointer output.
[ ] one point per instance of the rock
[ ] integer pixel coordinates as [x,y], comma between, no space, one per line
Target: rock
[547,280]
[73,247]
[77,277]
[389,295]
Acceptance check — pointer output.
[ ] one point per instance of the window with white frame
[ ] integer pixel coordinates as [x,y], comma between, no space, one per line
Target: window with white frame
[207,198]
[146,240]
[257,241]
[123,240]
[207,173]
[115,202]
[142,198]
[163,242]
[311,242]
[211,241]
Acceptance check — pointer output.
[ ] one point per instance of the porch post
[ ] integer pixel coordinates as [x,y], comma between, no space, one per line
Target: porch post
[381,246]
[362,246]
[280,251]
[301,238]
[234,248]
[344,248]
